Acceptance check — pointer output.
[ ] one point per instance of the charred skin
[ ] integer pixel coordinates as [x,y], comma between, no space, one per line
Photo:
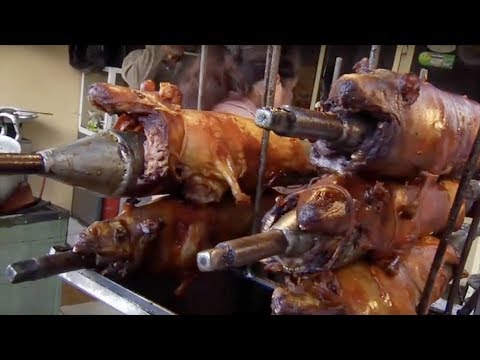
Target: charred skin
[352,218]
[165,235]
[207,153]
[418,126]
[365,289]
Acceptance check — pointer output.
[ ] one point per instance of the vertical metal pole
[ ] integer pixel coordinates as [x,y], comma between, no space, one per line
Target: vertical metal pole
[472,234]
[201,80]
[318,77]
[444,236]
[273,60]
[268,68]
[337,69]
[374,55]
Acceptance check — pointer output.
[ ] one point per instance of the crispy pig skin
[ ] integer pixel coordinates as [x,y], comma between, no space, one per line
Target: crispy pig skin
[362,288]
[165,235]
[208,153]
[351,218]
[419,127]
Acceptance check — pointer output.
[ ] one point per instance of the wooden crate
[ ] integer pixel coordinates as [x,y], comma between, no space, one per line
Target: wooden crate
[27,235]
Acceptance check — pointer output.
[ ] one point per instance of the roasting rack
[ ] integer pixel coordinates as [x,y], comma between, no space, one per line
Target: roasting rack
[129,302]
[272,60]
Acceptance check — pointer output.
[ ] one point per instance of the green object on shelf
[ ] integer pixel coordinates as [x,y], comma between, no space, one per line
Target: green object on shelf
[92,125]
[432,59]
[25,236]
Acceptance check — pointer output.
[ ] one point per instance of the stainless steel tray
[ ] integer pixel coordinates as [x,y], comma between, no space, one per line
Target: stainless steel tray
[118,297]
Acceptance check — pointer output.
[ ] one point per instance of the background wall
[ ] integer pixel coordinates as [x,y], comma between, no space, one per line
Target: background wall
[40,78]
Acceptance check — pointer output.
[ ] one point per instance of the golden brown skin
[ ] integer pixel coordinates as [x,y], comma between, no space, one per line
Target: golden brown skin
[365,289]
[208,153]
[148,85]
[165,235]
[419,127]
[353,217]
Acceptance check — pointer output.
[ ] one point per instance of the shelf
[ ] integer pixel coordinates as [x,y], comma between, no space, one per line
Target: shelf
[86,131]
[89,114]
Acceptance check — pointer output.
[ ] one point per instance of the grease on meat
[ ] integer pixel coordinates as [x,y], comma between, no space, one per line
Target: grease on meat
[207,153]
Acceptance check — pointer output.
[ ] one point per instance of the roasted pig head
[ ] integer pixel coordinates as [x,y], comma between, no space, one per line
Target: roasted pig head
[417,127]
[344,218]
[164,236]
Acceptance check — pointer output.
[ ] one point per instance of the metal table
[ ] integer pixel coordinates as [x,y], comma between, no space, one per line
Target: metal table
[113,294]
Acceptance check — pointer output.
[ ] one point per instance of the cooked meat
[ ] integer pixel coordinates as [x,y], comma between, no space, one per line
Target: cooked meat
[365,289]
[418,126]
[350,218]
[165,235]
[208,153]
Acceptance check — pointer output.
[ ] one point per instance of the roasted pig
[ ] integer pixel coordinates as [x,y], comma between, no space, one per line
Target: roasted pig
[362,288]
[417,127]
[206,152]
[340,219]
[158,148]
[164,236]
[343,218]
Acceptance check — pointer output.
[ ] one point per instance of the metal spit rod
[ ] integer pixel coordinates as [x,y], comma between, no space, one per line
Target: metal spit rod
[271,71]
[337,69]
[201,80]
[472,234]
[279,240]
[445,235]
[344,135]
[242,251]
[374,56]
[21,163]
[49,265]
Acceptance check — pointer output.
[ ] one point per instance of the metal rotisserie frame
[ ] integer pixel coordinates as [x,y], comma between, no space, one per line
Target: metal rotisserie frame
[468,173]
[131,302]
[130,299]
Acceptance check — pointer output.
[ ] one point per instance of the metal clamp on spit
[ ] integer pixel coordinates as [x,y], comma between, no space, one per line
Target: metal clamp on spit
[109,163]
[300,123]
[283,238]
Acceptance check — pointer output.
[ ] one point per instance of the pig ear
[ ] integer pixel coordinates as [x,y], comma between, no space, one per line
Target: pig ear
[361,66]
[409,87]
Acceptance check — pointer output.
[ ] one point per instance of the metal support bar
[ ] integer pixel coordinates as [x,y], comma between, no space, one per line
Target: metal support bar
[374,56]
[471,304]
[472,234]
[444,235]
[201,80]
[273,60]
[318,77]
[337,69]
[268,67]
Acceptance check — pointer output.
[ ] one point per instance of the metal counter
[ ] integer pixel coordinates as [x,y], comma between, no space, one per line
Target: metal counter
[113,294]
[250,294]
